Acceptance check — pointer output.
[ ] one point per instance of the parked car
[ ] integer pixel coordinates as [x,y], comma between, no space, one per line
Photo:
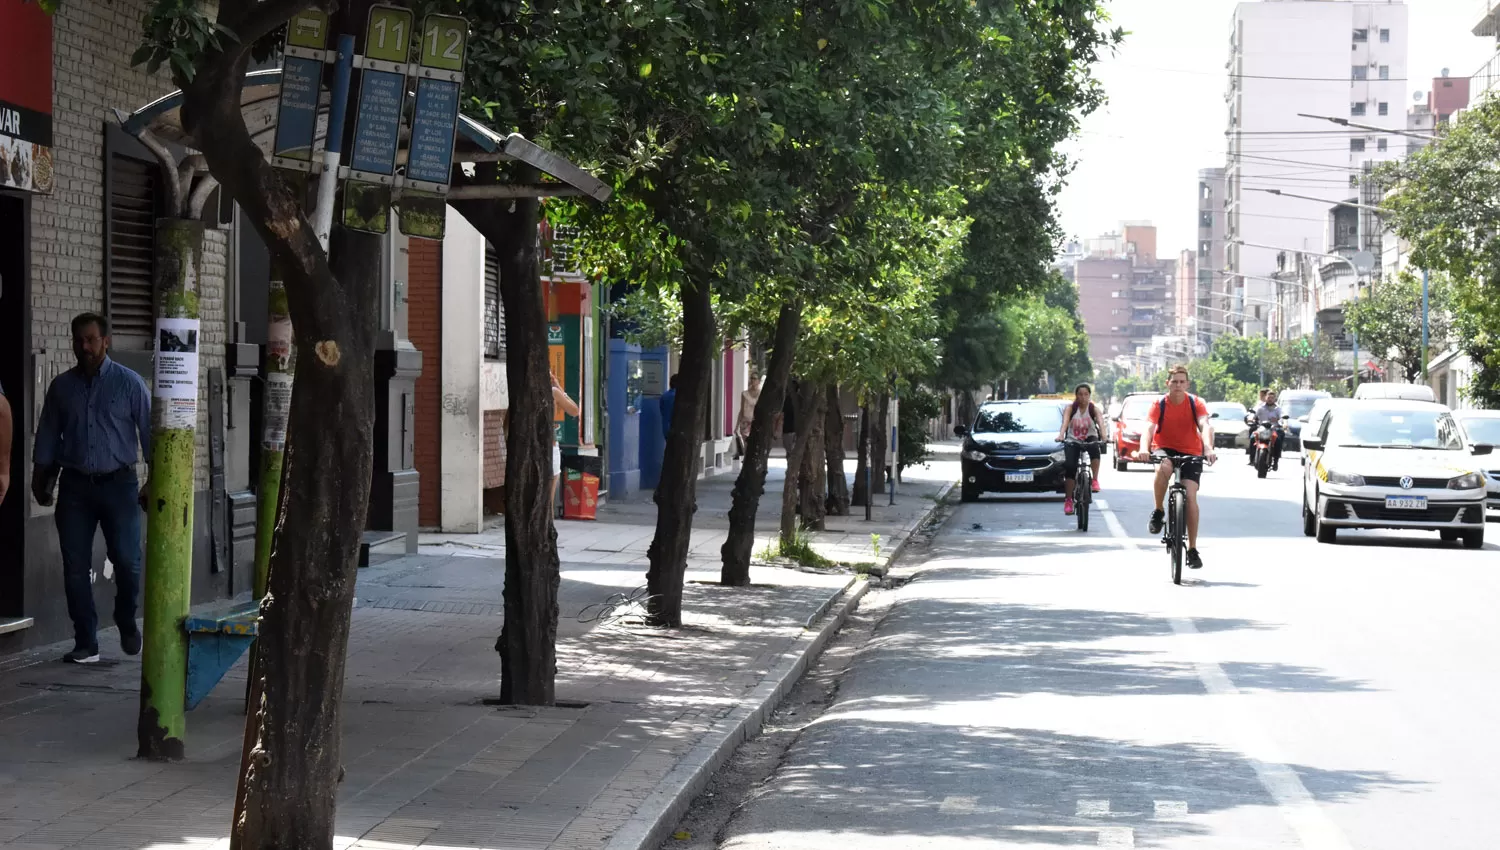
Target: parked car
[1405,392]
[1313,422]
[1229,424]
[1295,405]
[1135,413]
[1482,427]
[1012,447]
[1394,464]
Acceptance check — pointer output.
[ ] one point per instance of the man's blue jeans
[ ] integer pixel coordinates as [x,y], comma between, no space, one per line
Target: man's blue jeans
[86,503]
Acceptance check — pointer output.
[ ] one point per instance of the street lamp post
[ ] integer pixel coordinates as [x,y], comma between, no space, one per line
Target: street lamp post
[1424,325]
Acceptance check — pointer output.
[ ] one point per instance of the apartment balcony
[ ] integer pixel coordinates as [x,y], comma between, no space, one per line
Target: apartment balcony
[1487,12]
[1484,82]
[559,256]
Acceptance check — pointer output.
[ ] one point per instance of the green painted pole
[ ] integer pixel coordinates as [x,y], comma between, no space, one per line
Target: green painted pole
[169,510]
[281,365]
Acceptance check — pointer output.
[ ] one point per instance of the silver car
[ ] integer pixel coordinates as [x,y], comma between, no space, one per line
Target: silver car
[1482,427]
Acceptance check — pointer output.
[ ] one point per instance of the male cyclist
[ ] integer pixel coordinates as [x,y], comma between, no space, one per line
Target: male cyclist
[1269,412]
[1179,428]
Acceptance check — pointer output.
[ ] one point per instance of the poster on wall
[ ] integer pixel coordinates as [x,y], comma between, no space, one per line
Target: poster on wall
[176,386]
[25,97]
[278,409]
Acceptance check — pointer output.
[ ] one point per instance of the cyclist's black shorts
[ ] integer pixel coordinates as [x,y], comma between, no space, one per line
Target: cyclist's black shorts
[1191,471]
[1071,451]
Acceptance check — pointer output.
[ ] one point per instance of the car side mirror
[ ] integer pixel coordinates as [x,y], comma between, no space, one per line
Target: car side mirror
[1312,443]
[961,430]
[1483,448]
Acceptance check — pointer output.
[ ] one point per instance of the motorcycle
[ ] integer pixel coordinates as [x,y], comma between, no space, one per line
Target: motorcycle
[1264,437]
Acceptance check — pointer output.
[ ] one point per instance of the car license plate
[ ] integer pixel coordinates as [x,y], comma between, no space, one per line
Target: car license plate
[1019,478]
[1406,503]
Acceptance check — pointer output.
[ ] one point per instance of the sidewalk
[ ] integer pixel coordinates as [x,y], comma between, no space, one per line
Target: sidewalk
[429,764]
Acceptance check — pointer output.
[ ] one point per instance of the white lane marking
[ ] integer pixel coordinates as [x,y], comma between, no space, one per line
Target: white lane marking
[1171,809]
[1307,819]
[1116,530]
[1093,808]
[1117,836]
[958,805]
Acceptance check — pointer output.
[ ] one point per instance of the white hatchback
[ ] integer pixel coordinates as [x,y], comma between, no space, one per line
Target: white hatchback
[1394,464]
[1482,427]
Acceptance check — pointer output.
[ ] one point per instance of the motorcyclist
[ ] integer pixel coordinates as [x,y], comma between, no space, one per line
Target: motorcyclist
[1269,413]
[1250,420]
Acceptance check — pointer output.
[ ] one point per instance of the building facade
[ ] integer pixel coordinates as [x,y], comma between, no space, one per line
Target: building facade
[1213,289]
[1290,57]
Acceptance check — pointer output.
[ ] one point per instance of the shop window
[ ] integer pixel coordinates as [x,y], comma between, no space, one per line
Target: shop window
[494,308]
[135,200]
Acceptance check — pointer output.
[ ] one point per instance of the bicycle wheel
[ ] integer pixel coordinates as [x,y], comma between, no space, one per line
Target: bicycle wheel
[1083,496]
[1176,533]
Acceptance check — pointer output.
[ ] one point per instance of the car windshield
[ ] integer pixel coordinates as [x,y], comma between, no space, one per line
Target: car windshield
[1231,411]
[1298,407]
[1137,408]
[1018,418]
[1483,430]
[1395,429]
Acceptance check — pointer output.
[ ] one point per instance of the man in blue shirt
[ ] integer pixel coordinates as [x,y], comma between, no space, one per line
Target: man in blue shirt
[668,401]
[93,417]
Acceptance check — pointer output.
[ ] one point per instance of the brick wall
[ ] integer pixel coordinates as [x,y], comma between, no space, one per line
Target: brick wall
[92,43]
[425,330]
[494,448]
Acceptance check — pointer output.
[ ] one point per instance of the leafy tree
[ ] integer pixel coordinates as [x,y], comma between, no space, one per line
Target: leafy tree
[1445,202]
[1389,321]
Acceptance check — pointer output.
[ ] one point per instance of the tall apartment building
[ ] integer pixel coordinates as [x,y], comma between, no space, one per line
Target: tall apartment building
[1125,294]
[1336,59]
[1213,292]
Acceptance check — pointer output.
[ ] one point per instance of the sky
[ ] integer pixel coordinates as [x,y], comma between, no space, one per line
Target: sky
[1138,157]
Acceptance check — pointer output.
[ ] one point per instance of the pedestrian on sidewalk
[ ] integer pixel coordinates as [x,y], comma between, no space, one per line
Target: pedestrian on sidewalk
[95,426]
[569,407]
[668,401]
[748,399]
[6,428]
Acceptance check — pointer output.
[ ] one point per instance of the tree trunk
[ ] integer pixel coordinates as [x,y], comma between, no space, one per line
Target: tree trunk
[833,451]
[169,516]
[676,494]
[291,784]
[791,486]
[814,479]
[751,483]
[880,436]
[281,370]
[528,640]
[862,464]
[290,780]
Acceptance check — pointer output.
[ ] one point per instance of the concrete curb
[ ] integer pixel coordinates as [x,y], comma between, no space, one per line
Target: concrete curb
[664,807]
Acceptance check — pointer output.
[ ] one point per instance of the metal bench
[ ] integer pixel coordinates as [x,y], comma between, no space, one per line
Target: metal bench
[215,643]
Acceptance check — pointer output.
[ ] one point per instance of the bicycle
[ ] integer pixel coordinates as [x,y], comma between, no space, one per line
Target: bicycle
[1174,536]
[1083,480]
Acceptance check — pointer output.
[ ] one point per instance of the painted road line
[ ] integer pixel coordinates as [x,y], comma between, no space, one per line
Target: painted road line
[1171,809]
[1093,808]
[1299,808]
[1116,530]
[1117,836]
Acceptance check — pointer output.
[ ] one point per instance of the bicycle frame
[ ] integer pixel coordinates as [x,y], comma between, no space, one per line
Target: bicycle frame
[1174,535]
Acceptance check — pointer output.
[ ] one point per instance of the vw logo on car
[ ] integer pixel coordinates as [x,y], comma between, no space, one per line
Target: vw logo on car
[1406,482]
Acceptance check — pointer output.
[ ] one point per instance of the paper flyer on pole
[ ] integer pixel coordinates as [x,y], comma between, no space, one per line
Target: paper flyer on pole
[176,385]
[278,409]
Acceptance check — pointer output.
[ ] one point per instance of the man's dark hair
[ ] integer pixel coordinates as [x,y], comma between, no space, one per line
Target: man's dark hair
[672,381]
[82,320]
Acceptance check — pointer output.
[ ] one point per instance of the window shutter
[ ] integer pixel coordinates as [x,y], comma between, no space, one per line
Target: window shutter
[494,309]
[133,193]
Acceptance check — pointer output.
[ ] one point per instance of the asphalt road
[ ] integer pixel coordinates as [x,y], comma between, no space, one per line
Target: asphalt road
[1033,687]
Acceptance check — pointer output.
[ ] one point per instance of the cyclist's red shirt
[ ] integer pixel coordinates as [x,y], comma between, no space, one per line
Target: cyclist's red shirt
[1179,430]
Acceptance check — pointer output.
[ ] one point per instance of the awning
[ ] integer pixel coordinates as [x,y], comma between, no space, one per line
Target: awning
[258,102]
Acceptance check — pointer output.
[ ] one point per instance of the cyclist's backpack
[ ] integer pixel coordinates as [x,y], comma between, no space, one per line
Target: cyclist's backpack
[1161,414]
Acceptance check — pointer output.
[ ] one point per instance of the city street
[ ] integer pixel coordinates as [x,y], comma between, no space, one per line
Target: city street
[1035,687]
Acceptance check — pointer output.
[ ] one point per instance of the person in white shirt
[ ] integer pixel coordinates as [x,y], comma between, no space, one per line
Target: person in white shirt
[1082,421]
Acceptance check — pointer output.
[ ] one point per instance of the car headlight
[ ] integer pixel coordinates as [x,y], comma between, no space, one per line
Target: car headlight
[973,454]
[1472,481]
[1060,455]
[1346,479]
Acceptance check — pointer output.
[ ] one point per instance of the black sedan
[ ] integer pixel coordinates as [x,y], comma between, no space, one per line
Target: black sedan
[1012,448]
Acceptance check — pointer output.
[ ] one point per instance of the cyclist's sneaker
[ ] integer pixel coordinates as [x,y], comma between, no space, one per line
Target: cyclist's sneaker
[1195,561]
[1068,506]
[1095,486]
[1158,519]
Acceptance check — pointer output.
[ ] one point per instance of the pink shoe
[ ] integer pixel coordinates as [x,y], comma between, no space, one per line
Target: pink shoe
[1096,485]
[1068,507]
